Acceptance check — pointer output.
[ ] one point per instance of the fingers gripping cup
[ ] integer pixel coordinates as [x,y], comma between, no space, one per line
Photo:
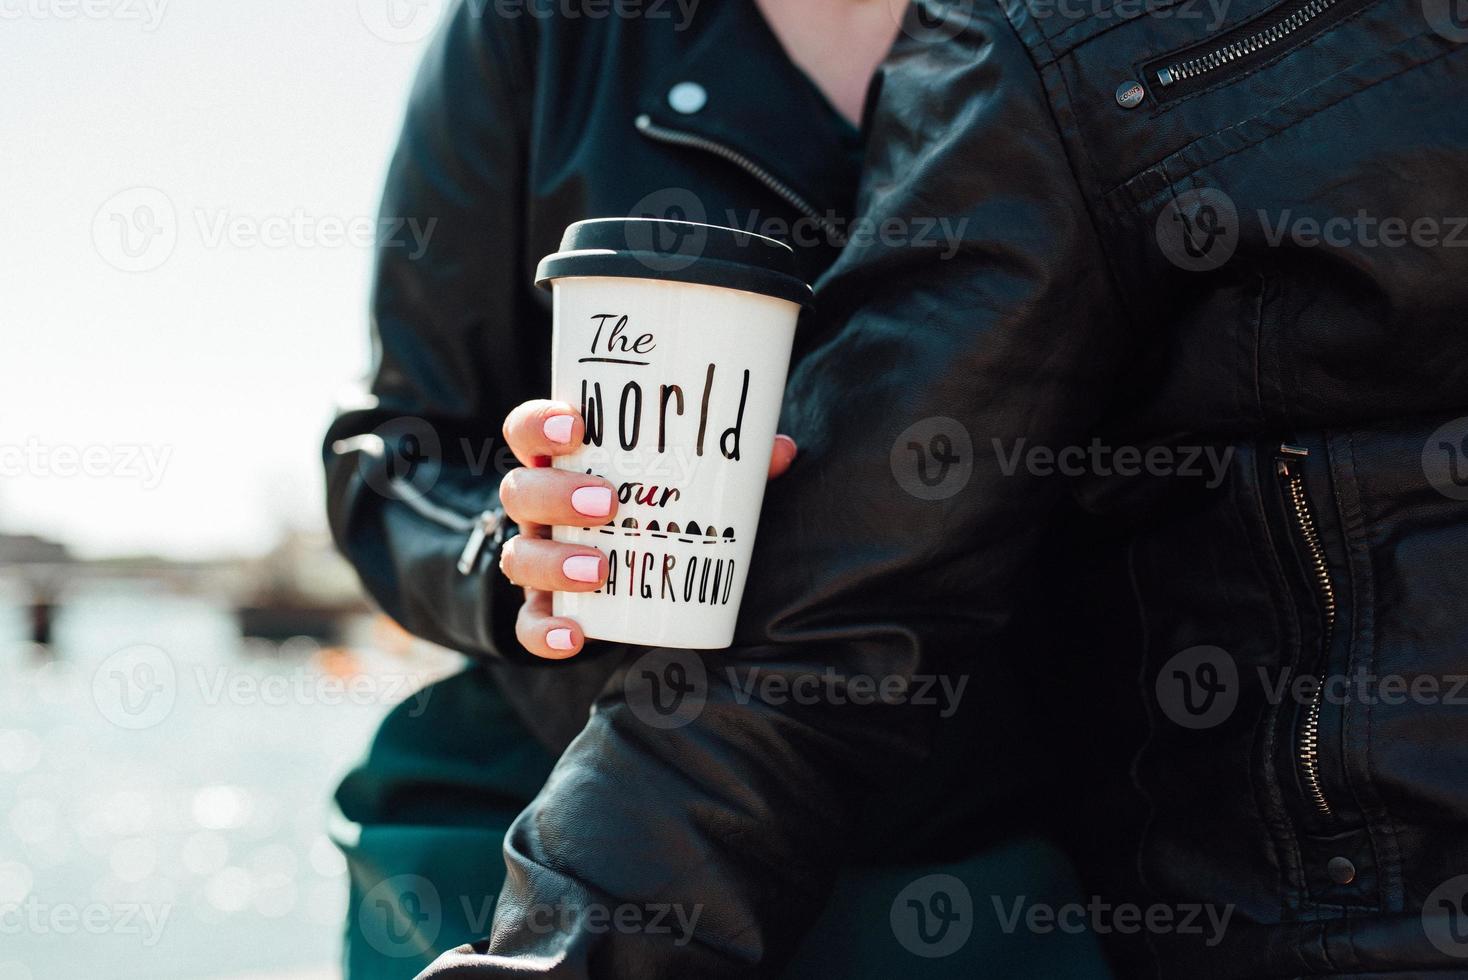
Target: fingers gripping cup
[673,339]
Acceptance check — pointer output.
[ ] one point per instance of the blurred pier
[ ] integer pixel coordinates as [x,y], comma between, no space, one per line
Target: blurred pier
[301,588]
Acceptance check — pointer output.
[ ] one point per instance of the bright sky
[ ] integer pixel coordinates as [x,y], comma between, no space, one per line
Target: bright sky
[167,391]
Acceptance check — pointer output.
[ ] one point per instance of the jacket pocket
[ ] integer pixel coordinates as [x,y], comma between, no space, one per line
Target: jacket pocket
[1232,54]
[1307,743]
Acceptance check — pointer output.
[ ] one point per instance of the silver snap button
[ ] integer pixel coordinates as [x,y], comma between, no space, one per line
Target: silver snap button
[687,97]
[1130,94]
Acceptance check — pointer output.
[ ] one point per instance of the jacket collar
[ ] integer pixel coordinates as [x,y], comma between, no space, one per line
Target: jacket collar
[760,106]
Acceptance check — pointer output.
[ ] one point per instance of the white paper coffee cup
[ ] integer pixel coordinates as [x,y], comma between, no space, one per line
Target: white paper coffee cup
[673,339]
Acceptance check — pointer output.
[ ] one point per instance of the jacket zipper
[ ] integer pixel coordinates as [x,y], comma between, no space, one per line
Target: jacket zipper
[488,527]
[1308,742]
[1287,25]
[784,191]
[482,530]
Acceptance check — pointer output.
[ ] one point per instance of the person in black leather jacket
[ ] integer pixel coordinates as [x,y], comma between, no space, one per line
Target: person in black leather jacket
[1226,235]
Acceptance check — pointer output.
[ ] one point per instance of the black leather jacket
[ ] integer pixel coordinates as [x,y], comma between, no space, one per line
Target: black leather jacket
[1172,235]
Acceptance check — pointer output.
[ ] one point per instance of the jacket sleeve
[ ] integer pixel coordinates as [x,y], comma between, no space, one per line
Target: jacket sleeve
[412,470]
[874,564]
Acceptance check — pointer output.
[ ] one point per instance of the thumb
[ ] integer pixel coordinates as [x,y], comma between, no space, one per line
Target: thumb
[782,455]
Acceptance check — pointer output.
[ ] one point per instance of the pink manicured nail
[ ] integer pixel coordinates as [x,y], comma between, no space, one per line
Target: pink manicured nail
[560,640]
[592,501]
[558,428]
[582,568]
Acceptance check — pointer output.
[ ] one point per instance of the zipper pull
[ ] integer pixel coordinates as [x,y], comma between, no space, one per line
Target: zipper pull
[489,523]
[1289,456]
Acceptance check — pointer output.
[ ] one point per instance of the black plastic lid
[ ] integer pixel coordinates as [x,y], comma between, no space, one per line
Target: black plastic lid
[681,251]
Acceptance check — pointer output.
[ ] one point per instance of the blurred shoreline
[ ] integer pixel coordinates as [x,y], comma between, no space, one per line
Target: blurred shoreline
[166,771]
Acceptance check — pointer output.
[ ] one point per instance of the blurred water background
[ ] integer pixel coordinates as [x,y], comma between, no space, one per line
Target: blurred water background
[189,192]
[165,783]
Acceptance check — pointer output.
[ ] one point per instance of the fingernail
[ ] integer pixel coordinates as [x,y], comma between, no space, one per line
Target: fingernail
[788,441]
[558,428]
[560,640]
[592,501]
[582,568]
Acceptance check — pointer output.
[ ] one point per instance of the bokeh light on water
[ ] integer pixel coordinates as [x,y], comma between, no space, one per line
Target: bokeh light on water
[165,789]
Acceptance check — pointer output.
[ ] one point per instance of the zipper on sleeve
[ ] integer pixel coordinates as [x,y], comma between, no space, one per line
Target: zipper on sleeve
[1278,30]
[489,528]
[1298,503]
[784,191]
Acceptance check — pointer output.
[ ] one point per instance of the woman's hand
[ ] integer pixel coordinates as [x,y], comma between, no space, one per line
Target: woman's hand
[535,497]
